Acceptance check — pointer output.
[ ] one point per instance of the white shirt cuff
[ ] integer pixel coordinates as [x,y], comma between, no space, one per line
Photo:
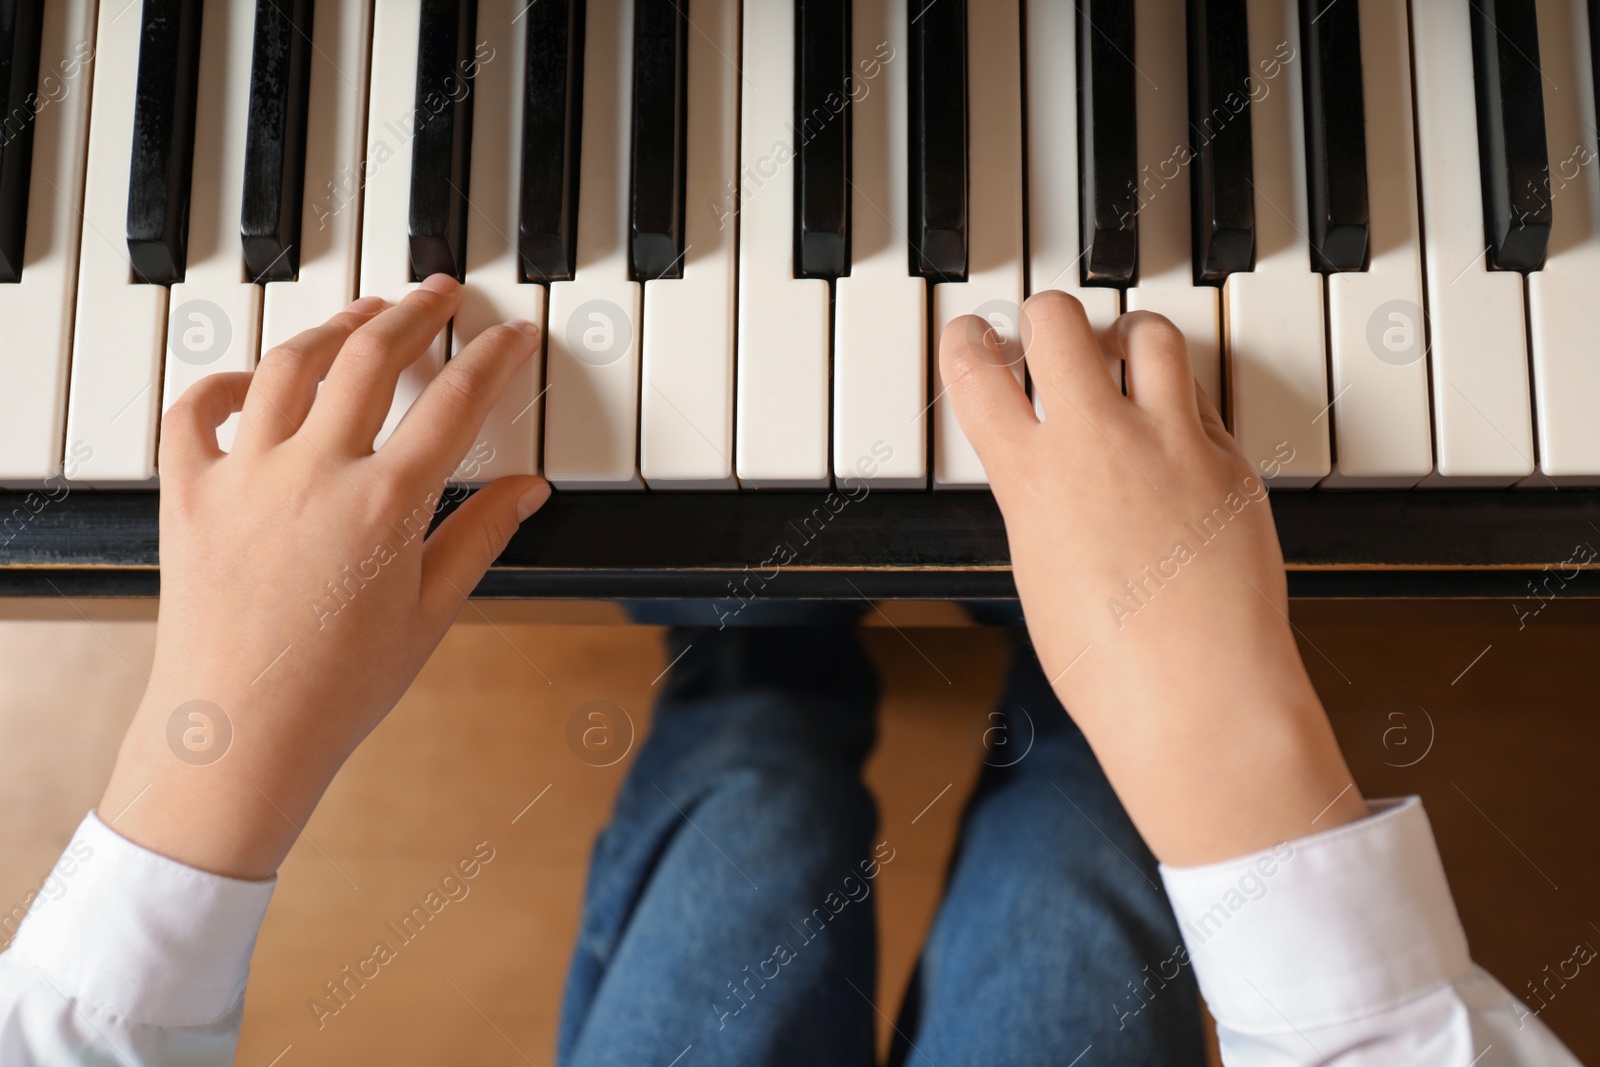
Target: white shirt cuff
[141,936]
[1323,930]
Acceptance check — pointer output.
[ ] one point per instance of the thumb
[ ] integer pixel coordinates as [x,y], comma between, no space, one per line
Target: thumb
[461,549]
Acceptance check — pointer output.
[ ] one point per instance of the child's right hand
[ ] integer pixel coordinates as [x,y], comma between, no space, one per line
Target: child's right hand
[1149,570]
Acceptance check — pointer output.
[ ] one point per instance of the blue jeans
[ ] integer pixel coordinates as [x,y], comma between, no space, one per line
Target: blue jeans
[730,918]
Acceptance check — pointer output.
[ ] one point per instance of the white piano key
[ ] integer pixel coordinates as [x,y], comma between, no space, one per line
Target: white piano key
[1055,219]
[114,400]
[880,346]
[592,405]
[495,291]
[37,309]
[1479,360]
[330,217]
[994,285]
[1277,370]
[1166,266]
[781,421]
[686,398]
[386,202]
[213,315]
[1561,298]
[1377,337]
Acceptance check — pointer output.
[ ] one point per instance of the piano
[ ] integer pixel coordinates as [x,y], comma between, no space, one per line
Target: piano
[740,224]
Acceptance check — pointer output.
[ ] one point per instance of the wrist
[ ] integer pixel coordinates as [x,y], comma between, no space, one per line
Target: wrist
[1214,780]
[209,790]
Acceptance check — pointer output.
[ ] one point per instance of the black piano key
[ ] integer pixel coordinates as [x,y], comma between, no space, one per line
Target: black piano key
[20,23]
[1224,214]
[551,124]
[660,91]
[441,151]
[1336,135]
[1107,142]
[163,139]
[822,132]
[938,138]
[1594,52]
[275,140]
[1513,161]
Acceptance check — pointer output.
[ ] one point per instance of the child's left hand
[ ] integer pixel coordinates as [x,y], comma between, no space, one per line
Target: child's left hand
[298,597]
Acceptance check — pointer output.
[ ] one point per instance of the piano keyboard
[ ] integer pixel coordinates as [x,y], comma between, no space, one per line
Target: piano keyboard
[741,224]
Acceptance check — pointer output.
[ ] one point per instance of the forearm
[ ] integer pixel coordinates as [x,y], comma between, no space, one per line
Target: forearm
[236,812]
[1200,711]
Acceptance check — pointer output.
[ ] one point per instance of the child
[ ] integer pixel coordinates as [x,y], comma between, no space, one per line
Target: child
[1319,926]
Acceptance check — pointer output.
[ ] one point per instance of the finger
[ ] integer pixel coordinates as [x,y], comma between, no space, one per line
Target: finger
[1157,360]
[286,378]
[466,543]
[189,428]
[446,419]
[355,399]
[1211,418]
[975,371]
[1062,351]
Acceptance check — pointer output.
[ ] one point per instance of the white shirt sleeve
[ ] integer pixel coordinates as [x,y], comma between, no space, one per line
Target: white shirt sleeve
[1341,948]
[127,957]
[1345,948]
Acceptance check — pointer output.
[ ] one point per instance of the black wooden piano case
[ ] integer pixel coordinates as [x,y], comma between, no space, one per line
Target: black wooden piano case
[882,544]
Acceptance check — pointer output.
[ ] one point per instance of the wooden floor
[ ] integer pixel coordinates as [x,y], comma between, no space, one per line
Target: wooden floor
[478,751]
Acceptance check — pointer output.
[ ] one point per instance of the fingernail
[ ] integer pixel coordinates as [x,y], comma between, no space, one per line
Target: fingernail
[367,305]
[441,283]
[530,329]
[531,500]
